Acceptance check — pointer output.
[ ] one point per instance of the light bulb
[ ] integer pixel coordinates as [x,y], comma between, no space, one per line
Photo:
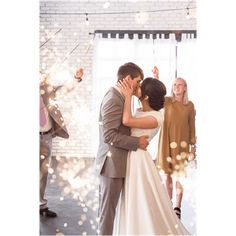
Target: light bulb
[106,4]
[187,13]
[87,20]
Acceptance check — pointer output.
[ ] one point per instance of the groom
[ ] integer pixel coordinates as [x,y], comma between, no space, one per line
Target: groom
[115,142]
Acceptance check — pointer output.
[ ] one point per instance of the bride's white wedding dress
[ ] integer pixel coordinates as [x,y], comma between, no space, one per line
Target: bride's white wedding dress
[144,206]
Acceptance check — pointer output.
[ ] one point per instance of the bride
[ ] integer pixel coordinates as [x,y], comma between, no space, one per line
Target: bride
[144,206]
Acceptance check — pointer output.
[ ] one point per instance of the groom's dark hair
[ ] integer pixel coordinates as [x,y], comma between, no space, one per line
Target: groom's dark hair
[129,69]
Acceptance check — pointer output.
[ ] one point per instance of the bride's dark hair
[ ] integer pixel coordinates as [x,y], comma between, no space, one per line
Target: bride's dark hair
[155,90]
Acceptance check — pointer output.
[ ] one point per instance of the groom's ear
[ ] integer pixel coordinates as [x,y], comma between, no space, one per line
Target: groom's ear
[127,78]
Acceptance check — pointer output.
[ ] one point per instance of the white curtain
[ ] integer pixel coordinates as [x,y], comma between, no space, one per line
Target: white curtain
[186,63]
[111,53]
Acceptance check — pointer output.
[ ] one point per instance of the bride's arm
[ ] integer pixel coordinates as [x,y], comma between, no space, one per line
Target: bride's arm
[147,122]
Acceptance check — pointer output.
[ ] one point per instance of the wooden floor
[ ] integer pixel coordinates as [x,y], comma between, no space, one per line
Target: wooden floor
[72,194]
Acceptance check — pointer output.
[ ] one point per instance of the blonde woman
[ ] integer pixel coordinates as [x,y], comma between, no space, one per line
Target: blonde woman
[177,138]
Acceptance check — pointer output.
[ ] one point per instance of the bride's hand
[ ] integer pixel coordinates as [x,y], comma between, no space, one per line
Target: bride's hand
[125,88]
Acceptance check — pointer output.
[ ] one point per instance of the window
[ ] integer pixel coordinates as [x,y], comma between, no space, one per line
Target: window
[170,57]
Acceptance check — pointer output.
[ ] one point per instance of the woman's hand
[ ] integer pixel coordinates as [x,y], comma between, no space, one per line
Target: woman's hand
[79,74]
[155,72]
[126,89]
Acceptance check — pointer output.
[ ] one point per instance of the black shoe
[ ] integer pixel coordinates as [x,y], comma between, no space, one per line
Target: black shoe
[178,212]
[46,212]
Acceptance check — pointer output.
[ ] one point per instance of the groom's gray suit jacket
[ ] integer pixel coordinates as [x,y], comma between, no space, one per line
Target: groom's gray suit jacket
[115,139]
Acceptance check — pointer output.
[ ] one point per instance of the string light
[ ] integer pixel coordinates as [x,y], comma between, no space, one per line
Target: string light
[141,17]
[112,13]
[187,13]
[87,20]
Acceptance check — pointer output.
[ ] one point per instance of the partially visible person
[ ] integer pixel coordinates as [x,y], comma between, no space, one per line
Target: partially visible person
[51,125]
[144,206]
[114,143]
[177,138]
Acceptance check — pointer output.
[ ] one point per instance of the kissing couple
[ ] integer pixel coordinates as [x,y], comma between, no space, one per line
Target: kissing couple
[132,198]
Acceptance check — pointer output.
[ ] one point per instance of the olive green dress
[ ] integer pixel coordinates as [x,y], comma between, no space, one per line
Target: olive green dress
[177,133]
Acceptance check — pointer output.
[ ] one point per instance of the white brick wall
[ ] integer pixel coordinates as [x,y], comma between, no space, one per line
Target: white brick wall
[76,106]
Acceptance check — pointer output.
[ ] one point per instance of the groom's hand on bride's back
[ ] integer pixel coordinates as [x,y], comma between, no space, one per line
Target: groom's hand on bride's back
[143,142]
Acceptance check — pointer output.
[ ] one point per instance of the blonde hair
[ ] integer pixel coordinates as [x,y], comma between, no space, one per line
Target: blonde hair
[185,96]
